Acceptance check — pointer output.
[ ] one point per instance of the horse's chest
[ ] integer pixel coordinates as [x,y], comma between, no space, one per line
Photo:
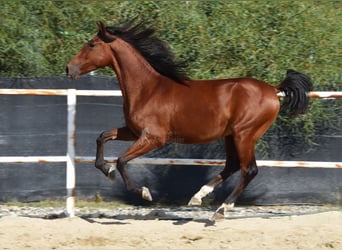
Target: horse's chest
[140,121]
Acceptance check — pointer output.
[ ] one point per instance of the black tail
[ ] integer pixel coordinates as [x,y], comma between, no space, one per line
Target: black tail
[295,86]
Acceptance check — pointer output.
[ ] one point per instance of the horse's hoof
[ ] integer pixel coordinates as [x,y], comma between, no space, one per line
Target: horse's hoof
[111,172]
[218,215]
[195,201]
[145,194]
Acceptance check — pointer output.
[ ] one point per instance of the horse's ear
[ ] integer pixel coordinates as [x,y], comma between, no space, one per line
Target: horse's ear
[103,34]
[101,27]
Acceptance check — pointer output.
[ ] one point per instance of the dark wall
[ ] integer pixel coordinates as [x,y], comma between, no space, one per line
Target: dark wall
[36,125]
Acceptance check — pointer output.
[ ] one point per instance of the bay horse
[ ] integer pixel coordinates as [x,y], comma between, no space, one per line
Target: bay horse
[162,104]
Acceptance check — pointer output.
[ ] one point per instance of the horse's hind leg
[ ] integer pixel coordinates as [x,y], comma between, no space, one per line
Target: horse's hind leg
[123,134]
[245,149]
[232,165]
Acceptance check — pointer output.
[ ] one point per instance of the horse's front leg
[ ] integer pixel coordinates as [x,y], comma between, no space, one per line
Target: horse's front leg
[123,134]
[144,144]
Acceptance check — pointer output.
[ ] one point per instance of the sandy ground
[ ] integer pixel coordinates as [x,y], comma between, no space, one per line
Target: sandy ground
[314,231]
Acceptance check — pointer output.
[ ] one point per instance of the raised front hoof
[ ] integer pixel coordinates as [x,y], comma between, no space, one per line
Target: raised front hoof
[145,194]
[195,201]
[111,172]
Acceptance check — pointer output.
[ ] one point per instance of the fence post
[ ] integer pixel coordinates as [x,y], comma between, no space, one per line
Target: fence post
[70,166]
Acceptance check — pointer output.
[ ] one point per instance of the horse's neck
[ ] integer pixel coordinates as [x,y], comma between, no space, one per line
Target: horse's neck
[136,76]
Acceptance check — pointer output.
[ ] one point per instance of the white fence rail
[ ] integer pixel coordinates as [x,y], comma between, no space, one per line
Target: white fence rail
[70,158]
[170,161]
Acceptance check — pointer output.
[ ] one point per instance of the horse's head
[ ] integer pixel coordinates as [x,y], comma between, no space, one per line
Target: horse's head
[93,55]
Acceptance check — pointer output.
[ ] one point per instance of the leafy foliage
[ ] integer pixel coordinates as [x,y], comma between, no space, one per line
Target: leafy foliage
[217,38]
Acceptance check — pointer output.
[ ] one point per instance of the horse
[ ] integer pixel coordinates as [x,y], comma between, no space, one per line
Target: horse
[161,104]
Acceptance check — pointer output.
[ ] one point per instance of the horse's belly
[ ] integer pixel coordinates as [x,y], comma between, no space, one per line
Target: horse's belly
[197,134]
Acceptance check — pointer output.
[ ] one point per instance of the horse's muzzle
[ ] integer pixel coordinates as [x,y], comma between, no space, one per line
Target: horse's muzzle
[72,71]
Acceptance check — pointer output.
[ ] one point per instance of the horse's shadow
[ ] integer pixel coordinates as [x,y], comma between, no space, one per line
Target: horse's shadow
[156,214]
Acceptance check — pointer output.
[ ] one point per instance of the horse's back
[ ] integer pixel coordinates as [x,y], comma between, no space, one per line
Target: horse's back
[237,93]
[254,91]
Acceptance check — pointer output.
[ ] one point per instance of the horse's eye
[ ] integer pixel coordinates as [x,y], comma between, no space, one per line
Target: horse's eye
[91,45]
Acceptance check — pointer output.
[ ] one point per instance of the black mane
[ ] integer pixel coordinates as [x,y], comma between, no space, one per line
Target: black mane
[154,50]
